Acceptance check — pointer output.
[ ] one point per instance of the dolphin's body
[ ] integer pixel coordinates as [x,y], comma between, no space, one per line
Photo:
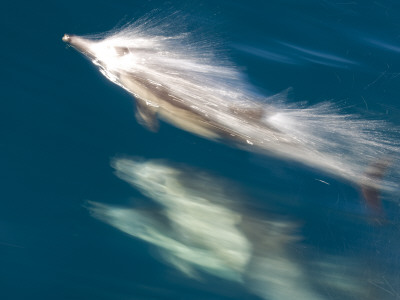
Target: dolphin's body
[172,81]
[155,100]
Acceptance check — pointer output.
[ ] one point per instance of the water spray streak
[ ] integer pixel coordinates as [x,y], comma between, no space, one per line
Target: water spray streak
[186,83]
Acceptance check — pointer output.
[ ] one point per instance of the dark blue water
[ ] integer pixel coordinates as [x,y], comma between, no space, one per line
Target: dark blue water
[62,122]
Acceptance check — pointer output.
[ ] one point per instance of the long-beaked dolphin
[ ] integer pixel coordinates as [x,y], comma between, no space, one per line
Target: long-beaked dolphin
[157,100]
[185,83]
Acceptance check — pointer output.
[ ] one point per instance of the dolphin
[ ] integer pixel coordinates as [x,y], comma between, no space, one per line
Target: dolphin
[184,83]
[156,100]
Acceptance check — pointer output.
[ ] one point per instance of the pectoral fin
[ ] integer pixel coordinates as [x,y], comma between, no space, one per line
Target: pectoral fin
[146,115]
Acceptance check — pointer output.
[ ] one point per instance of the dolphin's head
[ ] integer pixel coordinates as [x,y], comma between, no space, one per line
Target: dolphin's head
[66,38]
[110,56]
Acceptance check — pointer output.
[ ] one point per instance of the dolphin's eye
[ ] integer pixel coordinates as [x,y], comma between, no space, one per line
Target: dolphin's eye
[121,51]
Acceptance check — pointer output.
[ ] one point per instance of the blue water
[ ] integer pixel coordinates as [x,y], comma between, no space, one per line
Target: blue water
[62,122]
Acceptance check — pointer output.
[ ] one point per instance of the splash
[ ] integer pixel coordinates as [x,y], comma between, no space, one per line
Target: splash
[185,80]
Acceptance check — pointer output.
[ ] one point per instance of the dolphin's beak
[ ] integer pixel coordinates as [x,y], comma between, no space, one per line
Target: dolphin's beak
[66,38]
[79,43]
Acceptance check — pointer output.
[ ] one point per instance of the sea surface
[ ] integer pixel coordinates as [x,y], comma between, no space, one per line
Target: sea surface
[94,206]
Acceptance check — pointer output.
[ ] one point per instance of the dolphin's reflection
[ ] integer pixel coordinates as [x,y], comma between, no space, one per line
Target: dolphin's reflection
[201,227]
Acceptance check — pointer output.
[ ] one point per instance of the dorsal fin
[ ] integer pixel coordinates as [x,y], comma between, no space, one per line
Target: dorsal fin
[279,97]
[259,110]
